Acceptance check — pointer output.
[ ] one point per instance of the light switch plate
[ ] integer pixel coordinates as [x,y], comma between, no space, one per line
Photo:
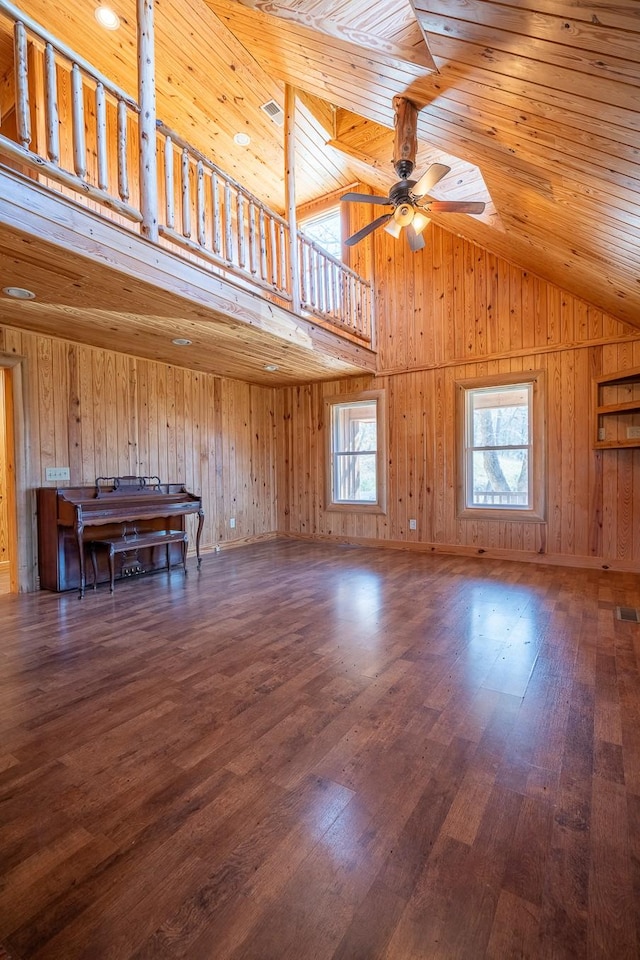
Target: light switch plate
[57,473]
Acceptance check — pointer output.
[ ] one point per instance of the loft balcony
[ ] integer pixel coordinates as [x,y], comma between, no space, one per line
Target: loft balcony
[132,238]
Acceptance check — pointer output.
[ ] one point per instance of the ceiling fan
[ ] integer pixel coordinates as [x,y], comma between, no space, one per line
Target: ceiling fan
[411,205]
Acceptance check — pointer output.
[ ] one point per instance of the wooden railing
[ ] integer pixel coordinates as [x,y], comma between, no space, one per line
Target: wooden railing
[77,99]
[328,288]
[219,219]
[82,134]
[503,497]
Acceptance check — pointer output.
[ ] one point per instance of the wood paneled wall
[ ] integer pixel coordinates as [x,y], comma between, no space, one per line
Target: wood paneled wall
[258,454]
[455,311]
[103,413]
[4,494]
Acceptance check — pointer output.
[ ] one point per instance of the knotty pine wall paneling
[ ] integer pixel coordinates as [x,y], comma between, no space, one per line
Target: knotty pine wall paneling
[455,311]
[103,413]
[5,545]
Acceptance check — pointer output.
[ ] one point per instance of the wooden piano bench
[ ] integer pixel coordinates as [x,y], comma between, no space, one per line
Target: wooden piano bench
[137,541]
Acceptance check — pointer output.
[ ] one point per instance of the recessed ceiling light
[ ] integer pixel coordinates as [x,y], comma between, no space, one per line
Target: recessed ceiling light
[242,139]
[107,17]
[181,342]
[271,367]
[19,293]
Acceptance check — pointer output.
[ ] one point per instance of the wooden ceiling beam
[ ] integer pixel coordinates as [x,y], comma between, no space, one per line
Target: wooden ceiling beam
[371,43]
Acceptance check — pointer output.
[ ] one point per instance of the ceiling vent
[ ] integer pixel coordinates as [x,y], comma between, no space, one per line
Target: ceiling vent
[274,111]
[628,613]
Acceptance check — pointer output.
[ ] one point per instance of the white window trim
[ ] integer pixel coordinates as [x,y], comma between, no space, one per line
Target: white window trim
[537,466]
[380,504]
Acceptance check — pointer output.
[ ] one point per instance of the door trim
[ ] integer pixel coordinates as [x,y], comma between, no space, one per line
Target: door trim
[23,515]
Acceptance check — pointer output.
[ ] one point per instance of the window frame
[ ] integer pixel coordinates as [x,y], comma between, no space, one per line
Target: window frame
[356,506]
[536,511]
[334,208]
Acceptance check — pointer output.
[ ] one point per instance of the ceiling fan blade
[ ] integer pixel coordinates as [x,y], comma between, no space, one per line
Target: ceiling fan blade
[370,227]
[454,206]
[433,175]
[416,240]
[366,198]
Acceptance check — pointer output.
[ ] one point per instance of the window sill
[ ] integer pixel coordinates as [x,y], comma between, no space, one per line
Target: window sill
[355,508]
[490,513]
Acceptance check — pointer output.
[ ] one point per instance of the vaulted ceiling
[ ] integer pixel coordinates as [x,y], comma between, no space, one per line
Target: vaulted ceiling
[533,103]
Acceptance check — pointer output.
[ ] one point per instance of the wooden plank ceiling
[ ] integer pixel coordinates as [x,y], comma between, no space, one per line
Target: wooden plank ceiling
[534,105]
[541,96]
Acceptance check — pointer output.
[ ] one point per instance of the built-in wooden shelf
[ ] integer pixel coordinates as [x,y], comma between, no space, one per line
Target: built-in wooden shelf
[616,402]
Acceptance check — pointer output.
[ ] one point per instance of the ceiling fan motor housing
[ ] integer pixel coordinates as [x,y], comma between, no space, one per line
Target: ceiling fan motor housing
[400,192]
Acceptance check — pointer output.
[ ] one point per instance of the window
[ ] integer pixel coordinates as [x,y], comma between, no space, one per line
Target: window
[356,452]
[325,229]
[502,448]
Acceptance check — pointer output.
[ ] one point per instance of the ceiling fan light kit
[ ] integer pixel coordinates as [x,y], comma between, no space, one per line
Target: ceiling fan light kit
[409,197]
[393,229]
[419,221]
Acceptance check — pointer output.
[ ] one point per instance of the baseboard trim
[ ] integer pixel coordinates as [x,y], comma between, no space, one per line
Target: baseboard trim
[485,553]
[239,542]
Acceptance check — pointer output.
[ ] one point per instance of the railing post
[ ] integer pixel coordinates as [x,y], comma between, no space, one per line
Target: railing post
[147,127]
[290,192]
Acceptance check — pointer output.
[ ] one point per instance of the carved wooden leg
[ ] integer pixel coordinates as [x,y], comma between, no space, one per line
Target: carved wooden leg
[80,542]
[112,568]
[200,525]
[94,564]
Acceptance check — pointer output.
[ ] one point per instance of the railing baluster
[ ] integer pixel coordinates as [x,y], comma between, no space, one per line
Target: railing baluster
[23,112]
[123,173]
[334,290]
[312,279]
[242,246]
[273,251]
[101,137]
[352,301]
[325,286]
[263,244]
[284,268]
[228,231]
[304,272]
[186,195]
[200,202]
[253,252]
[51,104]
[169,186]
[77,111]
[215,213]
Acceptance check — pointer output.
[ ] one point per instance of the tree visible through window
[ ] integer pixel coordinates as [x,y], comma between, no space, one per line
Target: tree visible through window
[499,446]
[356,440]
[354,452]
[325,230]
[502,448]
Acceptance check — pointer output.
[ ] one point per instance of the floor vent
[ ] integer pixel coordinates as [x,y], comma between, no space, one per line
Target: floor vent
[275,111]
[632,614]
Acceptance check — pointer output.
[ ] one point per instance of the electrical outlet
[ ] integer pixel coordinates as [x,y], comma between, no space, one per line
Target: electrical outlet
[57,473]
[601,434]
[633,433]
[413,525]
[232,523]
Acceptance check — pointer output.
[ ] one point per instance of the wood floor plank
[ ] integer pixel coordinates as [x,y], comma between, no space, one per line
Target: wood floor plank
[309,750]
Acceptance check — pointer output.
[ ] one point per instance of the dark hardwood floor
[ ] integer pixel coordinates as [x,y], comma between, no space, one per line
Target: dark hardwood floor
[310,752]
